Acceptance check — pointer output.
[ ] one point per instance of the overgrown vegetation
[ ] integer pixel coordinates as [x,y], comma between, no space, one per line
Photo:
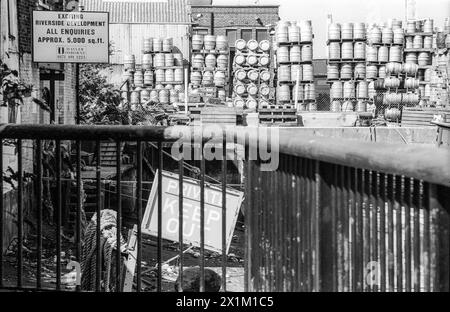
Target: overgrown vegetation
[102,103]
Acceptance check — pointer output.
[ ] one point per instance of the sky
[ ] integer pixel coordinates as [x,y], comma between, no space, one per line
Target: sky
[368,11]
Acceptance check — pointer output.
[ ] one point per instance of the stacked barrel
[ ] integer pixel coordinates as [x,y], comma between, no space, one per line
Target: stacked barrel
[419,44]
[252,75]
[294,66]
[346,69]
[158,78]
[384,48]
[401,85]
[209,65]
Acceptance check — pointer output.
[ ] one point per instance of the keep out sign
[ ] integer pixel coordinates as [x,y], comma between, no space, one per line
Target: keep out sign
[191,212]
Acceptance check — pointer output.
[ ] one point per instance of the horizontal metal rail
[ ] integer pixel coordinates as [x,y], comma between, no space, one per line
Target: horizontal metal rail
[409,160]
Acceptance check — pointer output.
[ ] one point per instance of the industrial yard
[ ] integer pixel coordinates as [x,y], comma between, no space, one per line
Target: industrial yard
[213,146]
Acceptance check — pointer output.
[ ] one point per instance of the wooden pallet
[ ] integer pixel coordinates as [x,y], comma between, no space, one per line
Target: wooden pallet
[278,116]
[108,154]
[218,115]
[418,117]
[276,106]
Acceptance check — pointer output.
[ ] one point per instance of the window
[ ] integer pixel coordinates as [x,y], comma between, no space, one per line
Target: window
[261,34]
[246,34]
[232,36]
[12,18]
[201,31]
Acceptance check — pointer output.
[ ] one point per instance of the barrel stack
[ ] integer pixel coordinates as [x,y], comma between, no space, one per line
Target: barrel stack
[157,78]
[419,47]
[253,75]
[210,70]
[294,66]
[346,68]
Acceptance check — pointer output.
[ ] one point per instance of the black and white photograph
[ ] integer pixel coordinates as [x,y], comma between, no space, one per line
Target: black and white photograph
[226,151]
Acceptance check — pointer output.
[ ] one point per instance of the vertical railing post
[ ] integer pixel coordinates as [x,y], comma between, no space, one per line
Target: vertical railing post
[1,212]
[439,205]
[326,249]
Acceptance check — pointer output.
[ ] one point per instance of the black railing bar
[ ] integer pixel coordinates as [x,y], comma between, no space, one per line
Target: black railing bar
[224,216]
[98,270]
[79,205]
[139,216]
[1,213]
[400,204]
[19,213]
[381,157]
[39,214]
[382,199]
[180,220]
[119,216]
[416,235]
[249,229]
[426,237]
[391,194]
[85,132]
[408,236]
[202,222]
[159,253]
[58,214]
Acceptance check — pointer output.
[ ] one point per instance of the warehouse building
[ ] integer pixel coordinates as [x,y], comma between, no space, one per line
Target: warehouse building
[235,21]
[53,82]
[131,21]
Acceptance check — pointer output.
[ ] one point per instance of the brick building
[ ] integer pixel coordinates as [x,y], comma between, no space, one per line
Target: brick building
[16,53]
[234,21]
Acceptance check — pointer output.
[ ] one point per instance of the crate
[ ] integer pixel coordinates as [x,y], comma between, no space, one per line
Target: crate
[282,117]
[218,115]
[422,117]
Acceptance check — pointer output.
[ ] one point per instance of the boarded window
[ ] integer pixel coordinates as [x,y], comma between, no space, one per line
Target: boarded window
[202,31]
[246,34]
[232,36]
[261,34]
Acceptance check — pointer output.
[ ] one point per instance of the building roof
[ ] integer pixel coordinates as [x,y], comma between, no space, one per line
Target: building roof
[141,11]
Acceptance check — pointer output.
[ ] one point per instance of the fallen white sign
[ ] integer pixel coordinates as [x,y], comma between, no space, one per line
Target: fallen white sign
[191,212]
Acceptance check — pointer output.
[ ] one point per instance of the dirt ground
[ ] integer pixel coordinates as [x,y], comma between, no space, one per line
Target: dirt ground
[234,277]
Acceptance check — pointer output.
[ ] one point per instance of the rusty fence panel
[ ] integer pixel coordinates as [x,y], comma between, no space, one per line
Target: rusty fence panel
[344,229]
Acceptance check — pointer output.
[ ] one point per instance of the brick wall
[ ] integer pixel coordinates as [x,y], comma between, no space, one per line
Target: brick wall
[25,9]
[69,94]
[235,17]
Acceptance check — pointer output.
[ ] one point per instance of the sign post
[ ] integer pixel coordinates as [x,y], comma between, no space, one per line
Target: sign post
[191,212]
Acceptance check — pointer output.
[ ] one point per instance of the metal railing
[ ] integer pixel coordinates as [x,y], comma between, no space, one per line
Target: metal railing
[118,134]
[341,215]
[335,215]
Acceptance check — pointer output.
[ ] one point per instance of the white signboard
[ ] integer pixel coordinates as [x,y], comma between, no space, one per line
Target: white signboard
[70,37]
[191,212]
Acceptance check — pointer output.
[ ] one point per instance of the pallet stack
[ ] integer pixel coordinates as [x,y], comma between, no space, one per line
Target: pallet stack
[346,68]
[158,78]
[252,75]
[209,67]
